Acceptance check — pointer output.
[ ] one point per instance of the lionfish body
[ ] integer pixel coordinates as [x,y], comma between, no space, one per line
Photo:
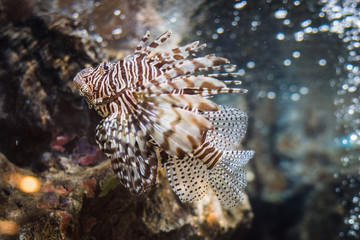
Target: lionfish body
[156,107]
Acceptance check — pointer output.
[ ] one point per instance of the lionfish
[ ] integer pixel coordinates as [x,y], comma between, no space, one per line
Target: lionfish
[156,107]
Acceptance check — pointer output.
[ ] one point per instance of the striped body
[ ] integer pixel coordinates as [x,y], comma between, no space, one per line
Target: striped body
[156,107]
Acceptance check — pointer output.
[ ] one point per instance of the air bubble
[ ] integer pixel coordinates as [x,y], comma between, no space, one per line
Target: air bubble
[287,62]
[75,15]
[117,31]
[315,30]
[308,30]
[296,54]
[255,23]
[98,39]
[349,67]
[117,12]
[322,62]
[240,5]
[304,90]
[214,36]
[241,72]
[281,14]
[280,36]
[353,137]
[271,95]
[286,22]
[220,30]
[299,36]
[324,28]
[352,89]
[305,23]
[250,64]
[295,97]
[297,3]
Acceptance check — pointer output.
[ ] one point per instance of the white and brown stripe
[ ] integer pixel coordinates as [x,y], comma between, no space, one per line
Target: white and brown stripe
[158,103]
[208,154]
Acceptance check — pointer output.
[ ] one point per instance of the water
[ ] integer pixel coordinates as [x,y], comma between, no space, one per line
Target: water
[299,60]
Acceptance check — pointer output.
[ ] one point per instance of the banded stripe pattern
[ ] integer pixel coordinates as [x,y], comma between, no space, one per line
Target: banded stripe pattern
[157,107]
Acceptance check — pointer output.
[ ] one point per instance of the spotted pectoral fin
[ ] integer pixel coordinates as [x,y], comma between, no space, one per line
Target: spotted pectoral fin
[228,177]
[187,176]
[225,171]
[177,131]
[133,160]
[229,127]
[190,175]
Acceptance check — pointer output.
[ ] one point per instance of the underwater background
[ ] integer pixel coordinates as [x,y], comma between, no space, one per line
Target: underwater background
[298,60]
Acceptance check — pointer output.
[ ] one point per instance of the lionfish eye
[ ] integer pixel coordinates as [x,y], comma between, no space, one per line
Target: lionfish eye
[106,67]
